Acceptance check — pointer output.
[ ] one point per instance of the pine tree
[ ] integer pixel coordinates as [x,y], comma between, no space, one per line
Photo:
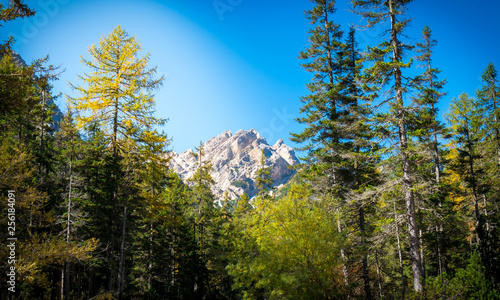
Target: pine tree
[322,106]
[203,216]
[430,93]
[68,145]
[427,130]
[466,121]
[337,133]
[263,181]
[489,95]
[387,68]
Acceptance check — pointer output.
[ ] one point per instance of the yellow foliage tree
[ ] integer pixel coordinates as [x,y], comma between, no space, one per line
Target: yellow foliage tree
[117,97]
[117,93]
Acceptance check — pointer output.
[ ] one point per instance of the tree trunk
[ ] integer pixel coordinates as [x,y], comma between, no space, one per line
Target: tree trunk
[366,275]
[328,47]
[121,267]
[479,225]
[64,272]
[407,182]
[342,254]
[439,231]
[379,277]
[495,117]
[403,284]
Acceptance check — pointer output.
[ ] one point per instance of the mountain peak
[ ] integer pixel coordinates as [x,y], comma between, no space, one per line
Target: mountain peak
[235,160]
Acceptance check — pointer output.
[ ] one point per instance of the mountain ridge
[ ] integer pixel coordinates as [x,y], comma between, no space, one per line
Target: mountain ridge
[235,159]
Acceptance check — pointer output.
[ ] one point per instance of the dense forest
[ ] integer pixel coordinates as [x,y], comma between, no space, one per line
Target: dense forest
[389,203]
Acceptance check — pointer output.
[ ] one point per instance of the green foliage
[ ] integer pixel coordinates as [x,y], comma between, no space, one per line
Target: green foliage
[470,282]
[287,249]
[240,183]
[263,181]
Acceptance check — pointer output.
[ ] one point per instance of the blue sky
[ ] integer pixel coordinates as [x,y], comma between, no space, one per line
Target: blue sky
[232,64]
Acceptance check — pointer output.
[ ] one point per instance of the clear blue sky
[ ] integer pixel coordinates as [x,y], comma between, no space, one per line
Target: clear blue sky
[237,67]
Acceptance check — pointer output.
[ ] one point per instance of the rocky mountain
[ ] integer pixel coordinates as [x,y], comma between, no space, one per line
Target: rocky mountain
[235,160]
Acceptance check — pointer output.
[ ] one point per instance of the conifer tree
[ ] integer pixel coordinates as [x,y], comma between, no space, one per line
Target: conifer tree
[427,129]
[69,154]
[387,69]
[489,95]
[117,94]
[117,97]
[430,93]
[322,106]
[466,121]
[338,136]
[203,216]
[263,181]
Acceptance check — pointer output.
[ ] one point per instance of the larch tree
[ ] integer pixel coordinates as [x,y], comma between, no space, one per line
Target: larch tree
[386,72]
[117,95]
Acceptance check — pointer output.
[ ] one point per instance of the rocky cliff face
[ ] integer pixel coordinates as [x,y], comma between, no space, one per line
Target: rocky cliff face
[235,160]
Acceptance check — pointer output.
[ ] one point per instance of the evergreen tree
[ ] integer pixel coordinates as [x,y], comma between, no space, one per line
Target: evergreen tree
[69,185]
[427,129]
[263,181]
[466,121]
[387,71]
[430,93]
[488,96]
[338,135]
[203,215]
[322,108]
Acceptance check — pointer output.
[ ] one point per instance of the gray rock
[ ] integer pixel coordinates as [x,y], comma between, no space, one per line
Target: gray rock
[235,160]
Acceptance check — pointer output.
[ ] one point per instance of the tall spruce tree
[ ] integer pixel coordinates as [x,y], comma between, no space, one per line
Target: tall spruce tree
[489,96]
[337,136]
[387,72]
[324,110]
[467,122]
[427,130]
[203,215]
[430,92]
